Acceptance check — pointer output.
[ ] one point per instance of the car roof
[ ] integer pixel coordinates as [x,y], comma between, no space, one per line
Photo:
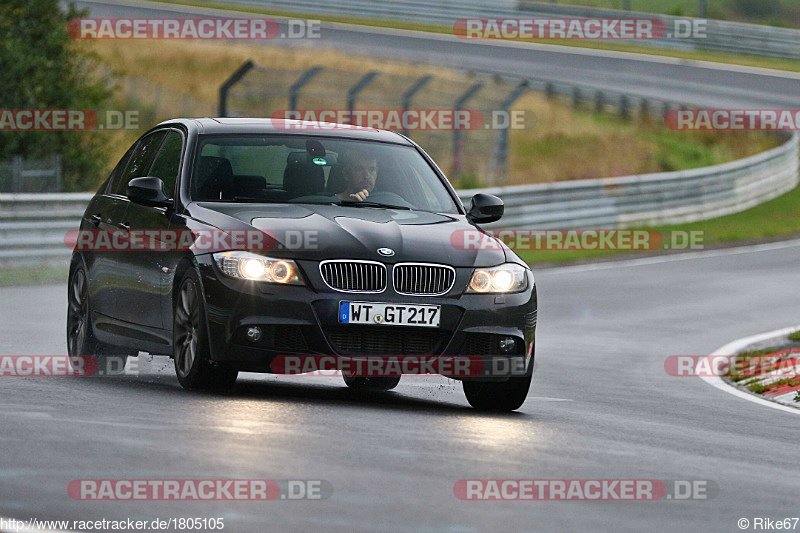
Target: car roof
[222,126]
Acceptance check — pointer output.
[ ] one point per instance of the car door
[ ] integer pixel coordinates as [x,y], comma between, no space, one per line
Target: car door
[152,268]
[123,272]
[103,214]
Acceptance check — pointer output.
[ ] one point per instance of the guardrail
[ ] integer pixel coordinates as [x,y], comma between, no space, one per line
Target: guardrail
[33,226]
[719,35]
[650,199]
[722,36]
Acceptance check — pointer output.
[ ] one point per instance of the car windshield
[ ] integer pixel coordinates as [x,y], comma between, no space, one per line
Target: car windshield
[316,170]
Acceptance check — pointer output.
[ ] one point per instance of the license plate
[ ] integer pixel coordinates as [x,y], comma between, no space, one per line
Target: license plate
[389,314]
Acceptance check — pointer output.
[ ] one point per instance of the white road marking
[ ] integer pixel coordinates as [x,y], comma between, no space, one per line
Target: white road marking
[722,252]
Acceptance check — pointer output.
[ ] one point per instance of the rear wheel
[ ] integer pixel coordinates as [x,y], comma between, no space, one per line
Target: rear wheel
[191,352]
[363,383]
[80,338]
[498,395]
[80,335]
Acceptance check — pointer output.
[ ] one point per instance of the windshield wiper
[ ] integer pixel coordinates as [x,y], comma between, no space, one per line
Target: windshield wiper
[356,203]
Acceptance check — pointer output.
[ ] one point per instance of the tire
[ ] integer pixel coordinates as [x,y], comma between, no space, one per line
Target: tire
[498,395]
[80,335]
[191,351]
[372,384]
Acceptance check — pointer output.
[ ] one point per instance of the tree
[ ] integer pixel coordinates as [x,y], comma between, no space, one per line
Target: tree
[44,68]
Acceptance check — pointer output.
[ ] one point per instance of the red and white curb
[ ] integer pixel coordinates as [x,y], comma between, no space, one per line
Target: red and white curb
[739,345]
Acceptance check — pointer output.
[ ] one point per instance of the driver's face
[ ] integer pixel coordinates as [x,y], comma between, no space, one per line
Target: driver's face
[362,173]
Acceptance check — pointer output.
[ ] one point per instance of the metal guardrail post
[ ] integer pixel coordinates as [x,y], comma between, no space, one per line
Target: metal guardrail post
[550,90]
[576,97]
[644,109]
[457,139]
[499,162]
[411,93]
[302,81]
[57,171]
[360,85]
[599,102]
[16,174]
[624,106]
[230,82]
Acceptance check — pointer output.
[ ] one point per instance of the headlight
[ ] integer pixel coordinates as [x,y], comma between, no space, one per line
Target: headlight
[246,265]
[500,279]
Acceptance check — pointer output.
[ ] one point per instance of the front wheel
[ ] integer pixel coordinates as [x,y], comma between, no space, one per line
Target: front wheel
[498,395]
[191,352]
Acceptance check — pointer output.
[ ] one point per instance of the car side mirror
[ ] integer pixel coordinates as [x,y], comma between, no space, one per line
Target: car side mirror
[485,208]
[148,191]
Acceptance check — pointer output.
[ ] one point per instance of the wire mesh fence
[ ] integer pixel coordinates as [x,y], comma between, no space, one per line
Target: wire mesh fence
[472,153]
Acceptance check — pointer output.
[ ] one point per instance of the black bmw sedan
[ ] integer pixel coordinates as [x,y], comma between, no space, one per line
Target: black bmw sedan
[304,239]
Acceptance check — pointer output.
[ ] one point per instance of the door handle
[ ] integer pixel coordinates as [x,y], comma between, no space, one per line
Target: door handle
[125,226]
[95,219]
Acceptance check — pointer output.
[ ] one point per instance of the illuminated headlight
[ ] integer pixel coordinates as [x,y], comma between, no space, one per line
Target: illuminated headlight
[246,265]
[500,279]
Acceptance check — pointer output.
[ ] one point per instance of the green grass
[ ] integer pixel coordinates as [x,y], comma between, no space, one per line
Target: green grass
[795,336]
[775,219]
[759,388]
[33,275]
[715,9]
[696,55]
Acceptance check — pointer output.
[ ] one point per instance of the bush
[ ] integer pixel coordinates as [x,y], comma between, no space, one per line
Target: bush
[43,68]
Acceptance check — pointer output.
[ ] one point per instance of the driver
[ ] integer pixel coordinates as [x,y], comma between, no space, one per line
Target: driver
[359,172]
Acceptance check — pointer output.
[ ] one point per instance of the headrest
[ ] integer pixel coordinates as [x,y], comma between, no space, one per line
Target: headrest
[301,175]
[212,173]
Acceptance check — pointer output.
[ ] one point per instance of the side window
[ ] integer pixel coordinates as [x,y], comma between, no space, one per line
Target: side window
[119,169]
[139,164]
[168,162]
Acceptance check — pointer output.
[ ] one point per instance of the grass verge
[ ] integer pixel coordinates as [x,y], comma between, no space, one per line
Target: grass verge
[776,219]
[33,275]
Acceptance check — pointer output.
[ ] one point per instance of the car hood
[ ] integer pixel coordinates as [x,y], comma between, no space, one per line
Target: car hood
[318,232]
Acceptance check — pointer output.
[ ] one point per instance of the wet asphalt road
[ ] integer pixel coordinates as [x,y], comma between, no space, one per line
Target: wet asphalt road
[601,406]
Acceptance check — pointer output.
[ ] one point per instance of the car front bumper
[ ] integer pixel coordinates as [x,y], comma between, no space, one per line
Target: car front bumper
[304,320]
